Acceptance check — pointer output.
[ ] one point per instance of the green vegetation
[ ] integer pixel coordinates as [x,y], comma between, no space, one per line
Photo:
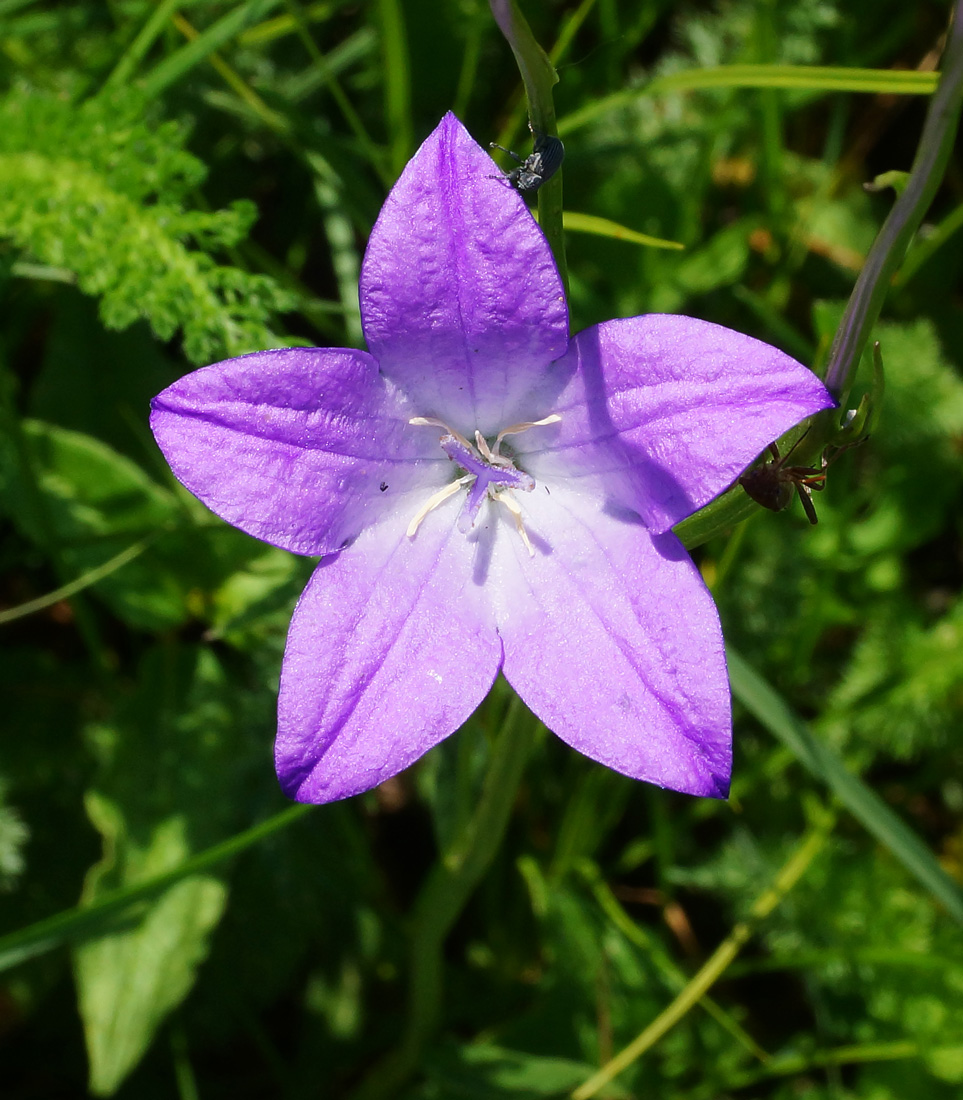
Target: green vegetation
[186,181]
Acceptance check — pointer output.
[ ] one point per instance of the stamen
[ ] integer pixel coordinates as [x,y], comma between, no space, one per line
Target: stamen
[482,444]
[433,501]
[513,506]
[434,422]
[490,474]
[517,429]
[492,457]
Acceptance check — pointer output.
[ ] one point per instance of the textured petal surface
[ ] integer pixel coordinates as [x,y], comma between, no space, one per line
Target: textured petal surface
[670,409]
[391,648]
[613,641]
[461,302]
[299,447]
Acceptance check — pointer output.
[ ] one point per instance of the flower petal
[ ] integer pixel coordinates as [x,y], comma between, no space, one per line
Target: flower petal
[677,407]
[391,648]
[461,301]
[297,447]
[614,643]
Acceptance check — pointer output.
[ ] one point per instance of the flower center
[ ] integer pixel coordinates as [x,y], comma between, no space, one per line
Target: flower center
[488,475]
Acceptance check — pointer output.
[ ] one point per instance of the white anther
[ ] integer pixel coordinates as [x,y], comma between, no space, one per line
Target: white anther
[482,444]
[434,422]
[433,501]
[517,429]
[512,505]
[488,454]
[492,457]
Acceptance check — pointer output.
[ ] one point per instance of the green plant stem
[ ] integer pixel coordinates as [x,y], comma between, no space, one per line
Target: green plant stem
[539,76]
[92,576]
[794,868]
[929,165]
[74,925]
[444,895]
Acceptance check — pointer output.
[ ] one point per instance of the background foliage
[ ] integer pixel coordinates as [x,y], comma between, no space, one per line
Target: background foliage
[183,181]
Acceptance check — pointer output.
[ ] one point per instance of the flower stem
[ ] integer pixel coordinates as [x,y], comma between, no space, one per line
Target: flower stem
[932,155]
[866,300]
[539,76]
[445,894]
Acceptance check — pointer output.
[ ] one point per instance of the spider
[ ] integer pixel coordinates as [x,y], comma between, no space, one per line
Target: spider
[772,483]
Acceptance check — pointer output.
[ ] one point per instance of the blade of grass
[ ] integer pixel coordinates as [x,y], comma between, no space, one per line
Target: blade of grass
[655,951]
[394,43]
[345,105]
[772,711]
[797,1064]
[274,121]
[328,190]
[602,227]
[143,40]
[280,25]
[813,78]
[218,34]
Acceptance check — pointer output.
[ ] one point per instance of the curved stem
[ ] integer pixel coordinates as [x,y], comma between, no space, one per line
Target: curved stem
[538,76]
[936,145]
[714,968]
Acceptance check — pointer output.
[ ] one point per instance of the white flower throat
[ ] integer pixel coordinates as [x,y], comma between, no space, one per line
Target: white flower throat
[489,475]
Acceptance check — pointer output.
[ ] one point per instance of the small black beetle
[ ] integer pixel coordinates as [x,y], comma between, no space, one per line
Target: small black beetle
[546,159]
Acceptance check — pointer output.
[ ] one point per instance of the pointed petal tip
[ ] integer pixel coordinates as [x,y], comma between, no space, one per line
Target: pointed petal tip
[711,785]
[461,300]
[298,787]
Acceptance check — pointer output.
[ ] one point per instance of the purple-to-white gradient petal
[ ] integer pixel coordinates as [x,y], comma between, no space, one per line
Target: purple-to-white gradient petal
[301,447]
[461,301]
[670,409]
[613,641]
[391,648]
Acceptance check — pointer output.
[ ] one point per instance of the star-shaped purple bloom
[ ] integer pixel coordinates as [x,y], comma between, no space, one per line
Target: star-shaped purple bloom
[487,495]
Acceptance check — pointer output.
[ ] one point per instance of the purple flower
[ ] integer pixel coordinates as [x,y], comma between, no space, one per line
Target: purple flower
[487,495]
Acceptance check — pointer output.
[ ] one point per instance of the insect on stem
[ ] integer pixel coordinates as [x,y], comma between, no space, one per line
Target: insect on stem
[772,484]
[545,160]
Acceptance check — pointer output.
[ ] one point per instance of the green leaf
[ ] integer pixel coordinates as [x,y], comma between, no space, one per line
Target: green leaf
[603,227]
[97,192]
[129,981]
[84,504]
[173,760]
